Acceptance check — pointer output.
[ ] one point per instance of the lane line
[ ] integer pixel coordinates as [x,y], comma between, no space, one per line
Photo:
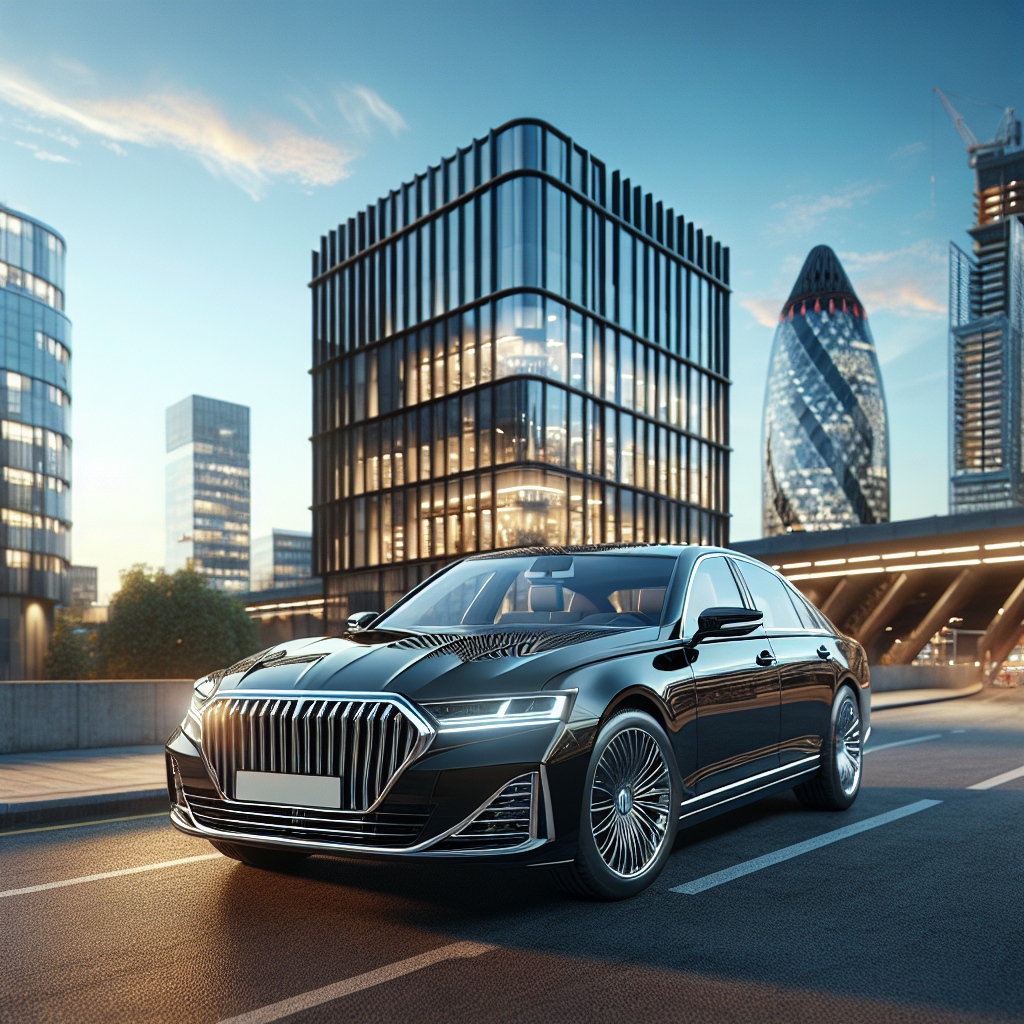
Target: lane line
[109,874]
[998,780]
[748,867]
[903,743]
[81,824]
[319,996]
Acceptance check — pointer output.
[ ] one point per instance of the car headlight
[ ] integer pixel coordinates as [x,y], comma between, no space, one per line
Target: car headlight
[204,689]
[499,712]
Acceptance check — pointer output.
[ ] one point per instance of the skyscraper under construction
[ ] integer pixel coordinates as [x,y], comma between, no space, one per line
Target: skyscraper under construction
[986,331]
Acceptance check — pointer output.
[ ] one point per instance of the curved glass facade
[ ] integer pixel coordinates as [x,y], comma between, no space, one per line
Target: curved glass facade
[515,347]
[35,441]
[826,435]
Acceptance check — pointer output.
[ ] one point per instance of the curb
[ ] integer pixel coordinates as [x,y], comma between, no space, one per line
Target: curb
[76,808]
[908,698]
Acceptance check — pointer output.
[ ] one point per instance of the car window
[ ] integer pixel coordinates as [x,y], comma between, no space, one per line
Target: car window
[712,586]
[771,597]
[812,614]
[619,591]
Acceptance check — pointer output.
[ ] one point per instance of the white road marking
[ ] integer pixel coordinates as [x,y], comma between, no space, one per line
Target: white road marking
[998,780]
[319,996]
[903,743]
[108,874]
[748,867]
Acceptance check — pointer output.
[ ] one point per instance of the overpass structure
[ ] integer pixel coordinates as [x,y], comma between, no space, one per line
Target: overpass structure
[897,587]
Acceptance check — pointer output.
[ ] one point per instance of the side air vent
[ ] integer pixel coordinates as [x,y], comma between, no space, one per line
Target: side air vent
[508,821]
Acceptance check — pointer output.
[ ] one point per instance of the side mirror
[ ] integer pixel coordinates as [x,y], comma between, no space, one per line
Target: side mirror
[725,622]
[360,620]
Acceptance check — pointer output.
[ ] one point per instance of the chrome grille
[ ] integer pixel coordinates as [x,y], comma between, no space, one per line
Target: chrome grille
[507,821]
[364,742]
[392,828]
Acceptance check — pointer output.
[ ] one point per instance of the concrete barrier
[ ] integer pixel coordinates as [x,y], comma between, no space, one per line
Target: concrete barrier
[47,715]
[887,678]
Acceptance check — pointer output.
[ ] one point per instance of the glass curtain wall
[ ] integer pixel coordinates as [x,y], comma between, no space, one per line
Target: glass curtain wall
[208,493]
[35,442]
[514,348]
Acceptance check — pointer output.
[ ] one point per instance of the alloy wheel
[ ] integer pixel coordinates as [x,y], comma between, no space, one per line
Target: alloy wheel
[847,745]
[630,802]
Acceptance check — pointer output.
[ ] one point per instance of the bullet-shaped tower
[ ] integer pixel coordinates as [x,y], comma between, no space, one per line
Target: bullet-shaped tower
[825,440]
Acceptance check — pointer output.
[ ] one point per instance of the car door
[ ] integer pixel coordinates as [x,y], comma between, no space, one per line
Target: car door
[737,687]
[806,665]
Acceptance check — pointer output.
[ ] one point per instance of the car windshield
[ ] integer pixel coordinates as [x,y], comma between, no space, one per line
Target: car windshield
[624,591]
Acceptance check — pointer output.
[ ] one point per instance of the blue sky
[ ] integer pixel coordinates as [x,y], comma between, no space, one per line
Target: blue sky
[192,154]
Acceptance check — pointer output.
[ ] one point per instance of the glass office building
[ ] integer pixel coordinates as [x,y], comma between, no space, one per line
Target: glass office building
[35,441]
[516,347]
[208,491]
[986,332]
[283,558]
[826,435]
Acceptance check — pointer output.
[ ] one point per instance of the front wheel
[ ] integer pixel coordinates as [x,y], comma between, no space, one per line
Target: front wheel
[630,811]
[259,857]
[836,786]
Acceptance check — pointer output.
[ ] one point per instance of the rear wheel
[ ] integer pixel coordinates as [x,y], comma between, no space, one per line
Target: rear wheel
[836,786]
[258,857]
[629,816]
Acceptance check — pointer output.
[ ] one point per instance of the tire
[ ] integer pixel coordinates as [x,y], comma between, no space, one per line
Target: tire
[258,857]
[631,748]
[837,784]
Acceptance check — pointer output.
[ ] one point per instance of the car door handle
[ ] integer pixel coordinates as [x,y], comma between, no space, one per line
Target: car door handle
[765,659]
[824,653]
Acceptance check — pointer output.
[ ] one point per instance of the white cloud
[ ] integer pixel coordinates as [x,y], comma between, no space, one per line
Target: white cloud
[361,106]
[804,213]
[191,123]
[41,154]
[910,281]
[909,150]
[55,133]
[114,147]
[764,311]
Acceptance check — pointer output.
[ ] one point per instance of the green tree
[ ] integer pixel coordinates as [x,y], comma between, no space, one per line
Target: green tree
[163,626]
[68,655]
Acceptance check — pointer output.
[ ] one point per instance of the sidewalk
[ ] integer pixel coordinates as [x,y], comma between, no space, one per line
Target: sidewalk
[51,787]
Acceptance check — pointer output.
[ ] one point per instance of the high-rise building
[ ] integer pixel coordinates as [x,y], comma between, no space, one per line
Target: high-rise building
[84,585]
[986,332]
[826,435]
[35,441]
[283,558]
[516,347]
[208,491]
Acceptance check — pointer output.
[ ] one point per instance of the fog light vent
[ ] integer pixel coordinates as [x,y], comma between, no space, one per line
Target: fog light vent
[506,822]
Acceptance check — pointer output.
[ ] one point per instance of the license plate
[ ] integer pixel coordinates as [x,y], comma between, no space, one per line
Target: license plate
[290,790]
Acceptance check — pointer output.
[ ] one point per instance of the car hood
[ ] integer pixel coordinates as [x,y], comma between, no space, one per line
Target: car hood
[425,666]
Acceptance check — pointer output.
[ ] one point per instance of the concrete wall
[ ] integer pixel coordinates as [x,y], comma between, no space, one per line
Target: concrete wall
[886,678]
[96,713]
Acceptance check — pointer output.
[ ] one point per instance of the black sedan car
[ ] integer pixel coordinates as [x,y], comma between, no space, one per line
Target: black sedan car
[567,708]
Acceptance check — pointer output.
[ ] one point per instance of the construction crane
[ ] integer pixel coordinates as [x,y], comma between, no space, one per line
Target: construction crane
[1007,133]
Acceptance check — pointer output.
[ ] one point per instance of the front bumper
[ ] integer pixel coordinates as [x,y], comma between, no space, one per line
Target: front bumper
[483,797]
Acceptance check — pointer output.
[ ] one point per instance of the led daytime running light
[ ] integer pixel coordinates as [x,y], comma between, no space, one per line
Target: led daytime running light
[499,713]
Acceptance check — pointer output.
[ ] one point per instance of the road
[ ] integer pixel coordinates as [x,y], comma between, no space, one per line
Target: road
[918,919]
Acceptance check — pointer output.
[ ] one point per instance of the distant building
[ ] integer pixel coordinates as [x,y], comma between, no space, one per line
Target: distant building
[208,491]
[84,589]
[281,559]
[986,332]
[826,436]
[35,441]
[518,346]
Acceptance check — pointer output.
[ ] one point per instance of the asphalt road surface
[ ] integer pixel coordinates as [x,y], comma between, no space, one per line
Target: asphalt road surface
[915,918]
